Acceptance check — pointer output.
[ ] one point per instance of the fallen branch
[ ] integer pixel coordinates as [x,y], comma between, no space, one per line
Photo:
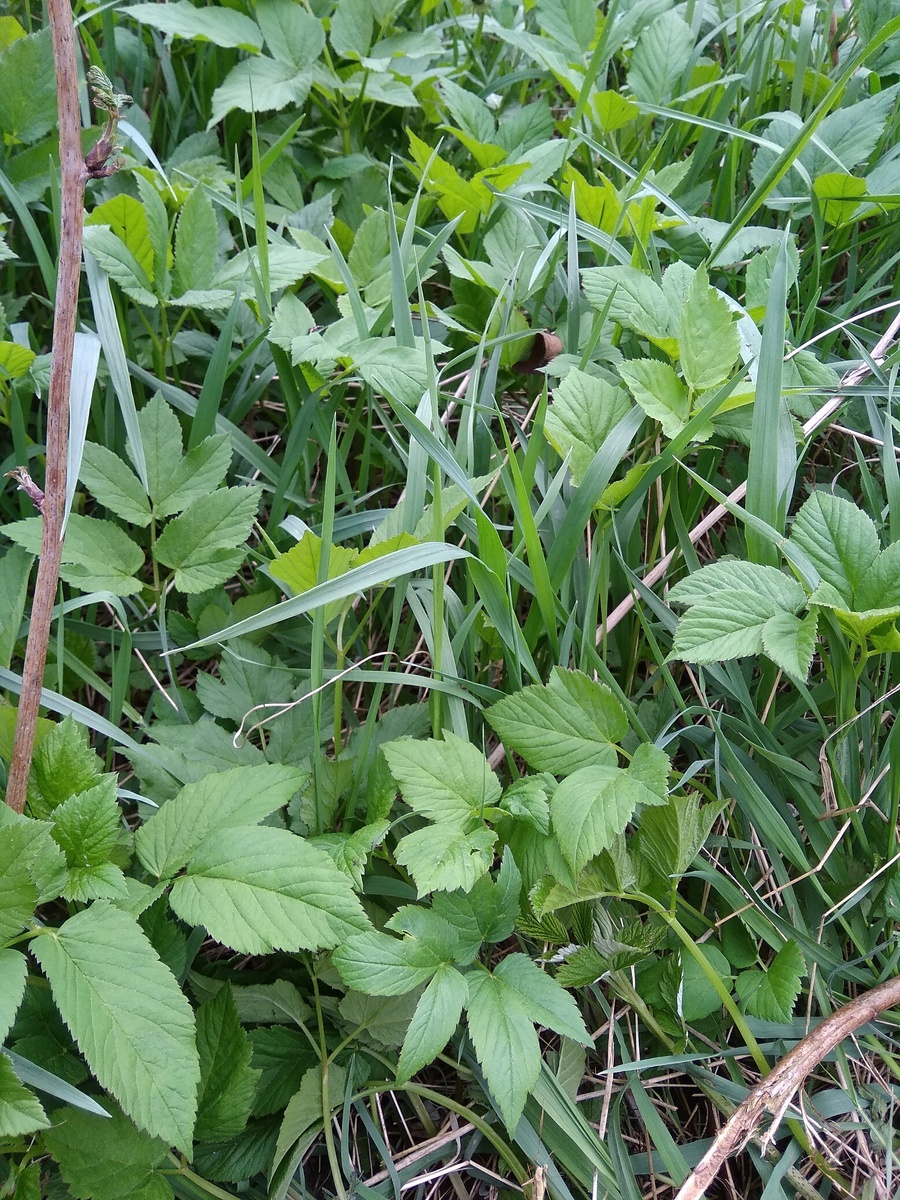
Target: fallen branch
[774,1093]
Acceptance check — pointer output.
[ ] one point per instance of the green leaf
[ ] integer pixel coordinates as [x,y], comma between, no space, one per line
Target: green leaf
[13,973]
[571,23]
[698,997]
[162,443]
[771,995]
[120,264]
[20,1110]
[208,532]
[258,890]
[220,25]
[637,301]
[157,219]
[197,474]
[526,799]
[659,392]
[663,52]
[570,722]
[590,807]
[63,764]
[839,539]
[449,781]
[505,1043]
[708,339]
[724,628]
[380,965]
[299,568]
[127,219]
[97,555]
[379,1020]
[544,1000]
[227,1081]
[351,28]
[15,572]
[584,411]
[487,912]
[398,372]
[292,35]
[15,360]
[434,1021]
[105,1158]
[128,1016]
[18,894]
[280,1054]
[27,89]
[669,838]
[839,194]
[734,575]
[114,484]
[86,825]
[243,796]
[790,642]
[441,858]
[196,244]
[259,85]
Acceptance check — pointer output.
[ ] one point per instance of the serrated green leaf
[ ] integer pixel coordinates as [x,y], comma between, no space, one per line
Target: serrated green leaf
[839,539]
[281,1054]
[244,796]
[351,28]
[27,88]
[505,1042]
[299,568]
[571,23]
[544,1000]
[449,782]
[663,52]
[570,722]
[670,838]
[20,1110]
[292,35]
[128,1016]
[305,1110]
[219,25]
[708,338]
[771,995]
[839,194]
[398,372]
[468,111]
[86,825]
[258,890]
[728,627]
[637,301]
[196,244]
[590,807]
[380,965]
[104,1158]
[584,411]
[379,1020]
[63,764]
[13,973]
[434,1021]
[15,572]
[157,219]
[790,642]
[227,1081]
[162,443]
[127,219]
[219,521]
[734,575]
[18,894]
[698,997]
[443,858]
[15,360]
[259,84]
[120,264]
[97,555]
[487,912]
[114,484]
[526,799]
[880,586]
[658,391]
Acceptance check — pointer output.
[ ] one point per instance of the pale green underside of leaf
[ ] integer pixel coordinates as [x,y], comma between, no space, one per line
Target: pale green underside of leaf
[380,965]
[505,1042]
[258,890]
[434,1021]
[128,1016]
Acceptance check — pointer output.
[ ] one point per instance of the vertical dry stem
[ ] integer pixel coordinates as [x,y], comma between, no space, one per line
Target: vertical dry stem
[73,177]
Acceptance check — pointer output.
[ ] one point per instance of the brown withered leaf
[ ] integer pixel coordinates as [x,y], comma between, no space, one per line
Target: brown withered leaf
[544,349]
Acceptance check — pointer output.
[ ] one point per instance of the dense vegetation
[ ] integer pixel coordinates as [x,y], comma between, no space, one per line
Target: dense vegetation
[438,793]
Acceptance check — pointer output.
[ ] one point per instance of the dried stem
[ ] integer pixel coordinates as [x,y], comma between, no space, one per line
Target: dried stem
[776,1090]
[74,175]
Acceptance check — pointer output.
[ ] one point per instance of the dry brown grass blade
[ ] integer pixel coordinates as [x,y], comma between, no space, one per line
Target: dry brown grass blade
[774,1093]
